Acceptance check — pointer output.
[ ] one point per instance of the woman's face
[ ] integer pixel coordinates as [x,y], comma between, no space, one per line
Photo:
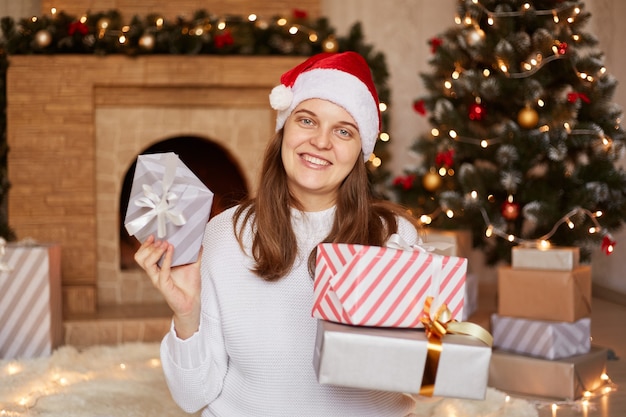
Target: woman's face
[321,144]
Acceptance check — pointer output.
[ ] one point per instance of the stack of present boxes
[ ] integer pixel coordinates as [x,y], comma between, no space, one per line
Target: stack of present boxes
[542,329]
[372,304]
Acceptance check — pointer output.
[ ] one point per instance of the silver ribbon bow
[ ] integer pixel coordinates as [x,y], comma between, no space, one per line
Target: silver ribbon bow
[397,242]
[161,206]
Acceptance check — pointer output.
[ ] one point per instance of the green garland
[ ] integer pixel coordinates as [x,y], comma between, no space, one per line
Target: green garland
[106,33]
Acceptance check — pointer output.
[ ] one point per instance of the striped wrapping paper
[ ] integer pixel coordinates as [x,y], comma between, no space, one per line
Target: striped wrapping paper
[384,287]
[542,339]
[30,301]
[176,196]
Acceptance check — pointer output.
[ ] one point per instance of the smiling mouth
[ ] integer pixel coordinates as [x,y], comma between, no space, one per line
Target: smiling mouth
[314,160]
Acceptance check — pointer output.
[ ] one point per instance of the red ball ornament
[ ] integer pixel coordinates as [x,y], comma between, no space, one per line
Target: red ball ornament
[435,43]
[562,48]
[608,244]
[476,112]
[510,211]
[420,107]
[445,158]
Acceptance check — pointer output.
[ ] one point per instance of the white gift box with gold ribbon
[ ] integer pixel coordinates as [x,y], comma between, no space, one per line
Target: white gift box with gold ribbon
[168,201]
[402,360]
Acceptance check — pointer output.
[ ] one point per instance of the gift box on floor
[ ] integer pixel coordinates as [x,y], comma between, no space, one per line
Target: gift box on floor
[30,300]
[545,295]
[540,338]
[384,287]
[396,360]
[168,201]
[564,258]
[561,379]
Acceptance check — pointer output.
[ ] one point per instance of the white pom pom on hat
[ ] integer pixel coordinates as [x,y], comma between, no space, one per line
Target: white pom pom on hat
[342,78]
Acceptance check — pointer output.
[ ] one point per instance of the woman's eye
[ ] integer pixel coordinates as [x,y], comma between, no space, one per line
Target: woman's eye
[344,132]
[306,121]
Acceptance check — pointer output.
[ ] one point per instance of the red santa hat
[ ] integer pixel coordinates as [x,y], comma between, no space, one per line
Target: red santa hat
[341,78]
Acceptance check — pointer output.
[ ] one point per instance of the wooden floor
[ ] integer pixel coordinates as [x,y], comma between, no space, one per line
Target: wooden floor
[608,330]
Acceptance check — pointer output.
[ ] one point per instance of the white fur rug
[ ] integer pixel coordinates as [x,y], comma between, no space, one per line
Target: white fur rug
[127,381]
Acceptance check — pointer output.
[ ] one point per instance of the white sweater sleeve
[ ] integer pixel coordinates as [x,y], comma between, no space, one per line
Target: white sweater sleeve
[195,368]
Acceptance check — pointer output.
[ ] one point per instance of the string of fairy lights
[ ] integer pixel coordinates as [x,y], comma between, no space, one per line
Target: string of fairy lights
[25,393]
[124,39]
[527,117]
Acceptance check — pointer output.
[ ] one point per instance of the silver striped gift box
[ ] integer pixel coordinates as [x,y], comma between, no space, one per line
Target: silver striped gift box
[168,201]
[30,301]
[540,338]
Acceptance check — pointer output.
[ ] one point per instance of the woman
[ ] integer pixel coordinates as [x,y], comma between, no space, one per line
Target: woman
[242,335]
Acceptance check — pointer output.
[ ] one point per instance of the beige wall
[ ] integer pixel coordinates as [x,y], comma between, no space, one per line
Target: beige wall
[401,28]
[18,9]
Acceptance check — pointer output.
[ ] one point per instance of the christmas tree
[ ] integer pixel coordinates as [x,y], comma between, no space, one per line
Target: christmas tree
[524,135]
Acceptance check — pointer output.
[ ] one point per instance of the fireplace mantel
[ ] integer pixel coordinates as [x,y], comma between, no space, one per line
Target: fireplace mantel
[58,167]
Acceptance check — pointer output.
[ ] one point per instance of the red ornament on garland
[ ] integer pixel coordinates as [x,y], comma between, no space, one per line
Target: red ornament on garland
[510,210]
[608,244]
[224,39]
[476,112]
[299,14]
[79,27]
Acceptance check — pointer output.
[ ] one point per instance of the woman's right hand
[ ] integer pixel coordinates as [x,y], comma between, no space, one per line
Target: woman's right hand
[179,285]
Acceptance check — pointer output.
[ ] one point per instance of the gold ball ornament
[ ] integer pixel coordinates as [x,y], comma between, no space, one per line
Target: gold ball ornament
[431,181]
[146,42]
[528,117]
[43,38]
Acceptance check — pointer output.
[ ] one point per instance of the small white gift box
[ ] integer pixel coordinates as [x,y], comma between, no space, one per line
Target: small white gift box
[168,201]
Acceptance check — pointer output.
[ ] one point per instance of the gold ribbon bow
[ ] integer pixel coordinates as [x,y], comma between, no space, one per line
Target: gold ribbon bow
[437,327]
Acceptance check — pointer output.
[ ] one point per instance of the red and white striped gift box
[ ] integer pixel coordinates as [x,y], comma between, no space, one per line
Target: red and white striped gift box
[384,287]
[30,301]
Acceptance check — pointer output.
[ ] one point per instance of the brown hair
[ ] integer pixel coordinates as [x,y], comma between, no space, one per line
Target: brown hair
[359,218]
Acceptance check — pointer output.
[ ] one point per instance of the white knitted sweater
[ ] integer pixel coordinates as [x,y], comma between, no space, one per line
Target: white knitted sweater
[253,353]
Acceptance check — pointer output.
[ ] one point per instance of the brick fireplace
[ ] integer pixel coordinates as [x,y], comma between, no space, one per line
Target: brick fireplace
[75,127]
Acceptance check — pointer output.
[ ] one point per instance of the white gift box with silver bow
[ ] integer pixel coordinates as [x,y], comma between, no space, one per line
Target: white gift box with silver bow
[540,338]
[168,201]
